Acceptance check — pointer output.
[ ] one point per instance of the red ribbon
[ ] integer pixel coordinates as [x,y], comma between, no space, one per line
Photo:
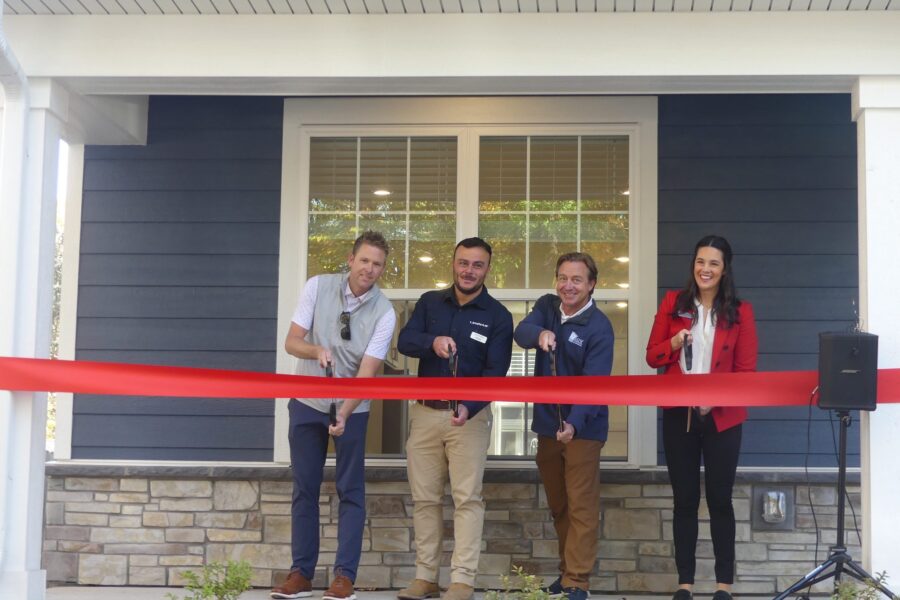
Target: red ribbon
[718,389]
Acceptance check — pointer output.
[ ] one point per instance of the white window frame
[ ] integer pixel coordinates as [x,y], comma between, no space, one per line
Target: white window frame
[468,118]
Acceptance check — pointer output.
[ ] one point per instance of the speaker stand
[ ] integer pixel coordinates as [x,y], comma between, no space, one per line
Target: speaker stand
[838,562]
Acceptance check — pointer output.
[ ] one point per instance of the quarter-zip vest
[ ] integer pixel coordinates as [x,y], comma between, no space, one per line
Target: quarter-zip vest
[326,332]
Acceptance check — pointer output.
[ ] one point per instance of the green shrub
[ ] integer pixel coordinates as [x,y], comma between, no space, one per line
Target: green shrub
[850,589]
[217,581]
[520,585]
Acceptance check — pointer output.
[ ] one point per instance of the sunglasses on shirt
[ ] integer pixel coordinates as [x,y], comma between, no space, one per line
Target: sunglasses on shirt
[345,321]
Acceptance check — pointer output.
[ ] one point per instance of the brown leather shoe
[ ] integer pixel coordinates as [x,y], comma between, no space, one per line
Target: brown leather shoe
[419,589]
[341,589]
[459,591]
[295,586]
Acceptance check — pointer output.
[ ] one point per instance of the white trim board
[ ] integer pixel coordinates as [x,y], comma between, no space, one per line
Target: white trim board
[635,116]
[876,109]
[387,49]
[502,85]
[68,303]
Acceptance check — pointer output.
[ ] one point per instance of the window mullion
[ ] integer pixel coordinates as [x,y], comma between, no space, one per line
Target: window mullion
[527,212]
[578,197]
[467,200]
[408,207]
[358,177]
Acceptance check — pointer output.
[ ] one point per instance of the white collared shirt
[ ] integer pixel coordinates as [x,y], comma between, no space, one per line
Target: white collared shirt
[703,334]
[384,330]
[565,317]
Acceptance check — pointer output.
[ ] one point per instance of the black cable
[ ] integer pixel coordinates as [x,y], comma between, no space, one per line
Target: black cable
[846,493]
[808,484]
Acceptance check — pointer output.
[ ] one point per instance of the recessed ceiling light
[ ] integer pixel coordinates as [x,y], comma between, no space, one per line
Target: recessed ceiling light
[440,284]
[622,259]
[426,258]
[622,304]
[624,286]
[626,193]
[381,193]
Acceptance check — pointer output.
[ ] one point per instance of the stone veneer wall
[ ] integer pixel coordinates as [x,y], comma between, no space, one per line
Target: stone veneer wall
[108,525]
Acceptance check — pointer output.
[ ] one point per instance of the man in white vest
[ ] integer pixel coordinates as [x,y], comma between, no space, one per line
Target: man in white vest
[343,324]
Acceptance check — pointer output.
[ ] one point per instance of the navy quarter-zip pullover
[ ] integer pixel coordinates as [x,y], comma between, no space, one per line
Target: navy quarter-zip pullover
[584,346]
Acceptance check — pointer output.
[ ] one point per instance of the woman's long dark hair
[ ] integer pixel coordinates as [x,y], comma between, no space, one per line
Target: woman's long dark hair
[726,303]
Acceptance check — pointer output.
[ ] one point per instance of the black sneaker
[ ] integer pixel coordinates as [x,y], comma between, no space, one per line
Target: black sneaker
[574,593]
[555,589]
[683,594]
[721,595]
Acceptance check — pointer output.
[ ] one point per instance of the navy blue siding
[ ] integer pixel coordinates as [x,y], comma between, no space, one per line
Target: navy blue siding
[776,175]
[179,266]
[179,260]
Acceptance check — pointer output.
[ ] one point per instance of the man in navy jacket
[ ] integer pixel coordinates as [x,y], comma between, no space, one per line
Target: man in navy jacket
[569,330]
[460,331]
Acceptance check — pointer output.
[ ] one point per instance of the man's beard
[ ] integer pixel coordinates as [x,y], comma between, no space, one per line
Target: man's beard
[470,291]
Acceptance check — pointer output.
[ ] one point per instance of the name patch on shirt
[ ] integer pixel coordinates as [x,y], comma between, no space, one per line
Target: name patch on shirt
[574,339]
[478,337]
[479,324]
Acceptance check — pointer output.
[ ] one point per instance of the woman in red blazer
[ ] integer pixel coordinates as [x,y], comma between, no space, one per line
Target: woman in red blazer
[704,328]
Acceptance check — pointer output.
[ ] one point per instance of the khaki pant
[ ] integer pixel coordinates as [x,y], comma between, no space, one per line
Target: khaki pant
[434,450]
[571,476]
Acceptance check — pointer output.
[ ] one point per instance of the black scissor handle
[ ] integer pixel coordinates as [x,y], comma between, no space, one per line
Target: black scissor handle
[688,353]
[453,363]
[332,410]
[552,354]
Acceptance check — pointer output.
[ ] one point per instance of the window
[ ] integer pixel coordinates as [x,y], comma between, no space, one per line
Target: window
[542,196]
[404,187]
[539,197]
[533,190]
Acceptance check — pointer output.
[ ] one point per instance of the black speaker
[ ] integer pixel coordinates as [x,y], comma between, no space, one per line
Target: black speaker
[848,371]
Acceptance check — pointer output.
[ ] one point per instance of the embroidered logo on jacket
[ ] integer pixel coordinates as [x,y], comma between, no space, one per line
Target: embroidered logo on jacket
[479,324]
[574,339]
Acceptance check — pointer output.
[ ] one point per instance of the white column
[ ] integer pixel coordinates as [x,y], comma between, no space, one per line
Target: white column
[876,109]
[27,278]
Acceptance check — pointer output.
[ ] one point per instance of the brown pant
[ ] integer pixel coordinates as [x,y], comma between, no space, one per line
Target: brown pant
[571,476]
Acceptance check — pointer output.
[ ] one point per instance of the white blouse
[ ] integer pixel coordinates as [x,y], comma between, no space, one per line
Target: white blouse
[703,334]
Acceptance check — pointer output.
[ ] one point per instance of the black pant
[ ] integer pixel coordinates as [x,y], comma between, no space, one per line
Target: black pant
[720,451]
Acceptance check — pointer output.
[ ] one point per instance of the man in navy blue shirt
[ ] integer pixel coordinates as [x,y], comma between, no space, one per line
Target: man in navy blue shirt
[572,337]
[460,331]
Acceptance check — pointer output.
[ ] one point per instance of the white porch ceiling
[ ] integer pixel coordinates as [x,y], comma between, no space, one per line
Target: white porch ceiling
[325,7]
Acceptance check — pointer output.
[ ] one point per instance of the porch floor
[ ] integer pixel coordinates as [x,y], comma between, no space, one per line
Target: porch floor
[159,593]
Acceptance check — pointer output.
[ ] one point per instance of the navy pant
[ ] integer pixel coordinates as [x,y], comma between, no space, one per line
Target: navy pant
[308,435]
[720,451]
